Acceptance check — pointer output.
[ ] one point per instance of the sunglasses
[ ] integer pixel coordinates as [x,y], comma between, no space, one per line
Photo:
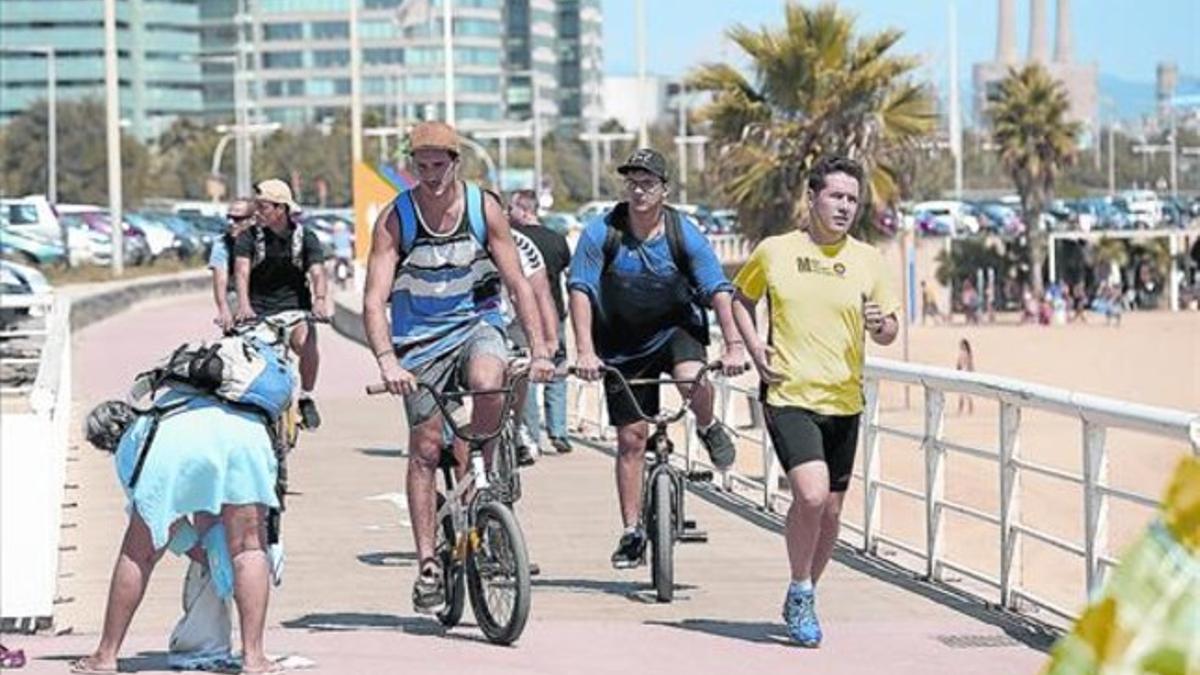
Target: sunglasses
[644,186]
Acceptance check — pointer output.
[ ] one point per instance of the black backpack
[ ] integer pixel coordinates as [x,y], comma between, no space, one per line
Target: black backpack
[617,226]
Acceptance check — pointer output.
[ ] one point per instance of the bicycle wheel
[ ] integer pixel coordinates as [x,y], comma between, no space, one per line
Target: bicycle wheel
[662,537]
[498,574]
[452,571]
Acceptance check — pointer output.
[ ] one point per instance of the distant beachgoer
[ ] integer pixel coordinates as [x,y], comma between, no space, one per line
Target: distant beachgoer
[966,363]
[929,306]
[970,301]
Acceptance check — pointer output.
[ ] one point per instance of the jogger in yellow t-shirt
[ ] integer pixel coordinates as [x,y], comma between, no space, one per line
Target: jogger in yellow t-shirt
[824,289]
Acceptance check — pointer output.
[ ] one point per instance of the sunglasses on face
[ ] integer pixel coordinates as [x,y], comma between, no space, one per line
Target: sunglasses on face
[644,186]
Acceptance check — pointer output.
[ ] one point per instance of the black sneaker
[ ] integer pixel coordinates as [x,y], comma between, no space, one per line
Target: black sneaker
[630,550]
[429,596]
[309,417]
[525,456]
[719,445]
[561,445]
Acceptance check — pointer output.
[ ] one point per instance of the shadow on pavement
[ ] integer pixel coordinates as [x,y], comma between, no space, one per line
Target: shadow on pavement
[388,558]
[1028,631]
[383,452]
[142,662]
[632,591]
[761,632]
[333,622]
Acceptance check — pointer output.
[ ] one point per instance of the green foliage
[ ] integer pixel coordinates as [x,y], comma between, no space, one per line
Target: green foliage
[1035,141]
[817,89]
[82,155]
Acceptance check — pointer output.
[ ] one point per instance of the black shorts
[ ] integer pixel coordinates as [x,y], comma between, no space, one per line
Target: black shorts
[680,348]
[801,435]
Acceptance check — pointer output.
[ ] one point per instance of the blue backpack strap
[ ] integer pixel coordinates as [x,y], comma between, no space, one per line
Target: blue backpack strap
[475,214]
[407,213]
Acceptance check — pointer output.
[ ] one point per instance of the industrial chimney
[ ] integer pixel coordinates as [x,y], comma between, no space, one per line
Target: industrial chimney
[1006,36]
[1039,50]
[1062,32]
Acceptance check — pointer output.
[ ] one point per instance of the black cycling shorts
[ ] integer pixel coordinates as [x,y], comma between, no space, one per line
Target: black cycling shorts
[679,348]
[800,435]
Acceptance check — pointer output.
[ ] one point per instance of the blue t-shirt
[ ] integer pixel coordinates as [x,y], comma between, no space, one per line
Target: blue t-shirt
[644,278]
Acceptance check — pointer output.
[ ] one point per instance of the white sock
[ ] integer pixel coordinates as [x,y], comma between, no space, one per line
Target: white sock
[704,430]
[631,529]
[306,393]
[802,586]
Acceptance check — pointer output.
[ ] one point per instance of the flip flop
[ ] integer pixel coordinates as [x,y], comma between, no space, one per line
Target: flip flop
[14,658]
[84,666]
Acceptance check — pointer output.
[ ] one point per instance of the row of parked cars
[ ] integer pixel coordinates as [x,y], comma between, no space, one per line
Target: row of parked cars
[33,232]
[1132,209]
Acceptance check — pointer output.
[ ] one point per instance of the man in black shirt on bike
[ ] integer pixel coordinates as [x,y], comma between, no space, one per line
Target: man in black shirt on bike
[280,266]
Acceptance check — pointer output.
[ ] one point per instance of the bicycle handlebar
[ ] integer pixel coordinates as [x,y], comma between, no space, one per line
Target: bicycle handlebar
[440,398]
[663,418]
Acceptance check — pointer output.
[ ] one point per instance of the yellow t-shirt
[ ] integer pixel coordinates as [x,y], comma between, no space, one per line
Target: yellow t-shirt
[815,295]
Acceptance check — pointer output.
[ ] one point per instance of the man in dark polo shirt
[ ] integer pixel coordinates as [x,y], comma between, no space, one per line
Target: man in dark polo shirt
[522,215]
[280,266]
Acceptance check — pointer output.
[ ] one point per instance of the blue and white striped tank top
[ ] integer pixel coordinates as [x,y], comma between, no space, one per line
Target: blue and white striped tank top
[445,286]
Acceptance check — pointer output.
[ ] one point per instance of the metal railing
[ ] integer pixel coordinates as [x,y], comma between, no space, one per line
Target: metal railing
[33,445]
[1095,415]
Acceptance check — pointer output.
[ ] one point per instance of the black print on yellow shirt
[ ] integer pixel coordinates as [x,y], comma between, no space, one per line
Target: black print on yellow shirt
[815,266]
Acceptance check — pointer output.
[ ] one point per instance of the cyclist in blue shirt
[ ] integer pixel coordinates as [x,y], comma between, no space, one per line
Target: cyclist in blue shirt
[640,280]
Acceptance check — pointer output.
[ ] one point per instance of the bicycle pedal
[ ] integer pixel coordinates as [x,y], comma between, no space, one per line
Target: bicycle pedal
[694,537]
[700,476]
[689,524]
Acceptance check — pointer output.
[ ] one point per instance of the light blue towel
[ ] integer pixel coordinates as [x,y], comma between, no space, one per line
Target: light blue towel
[205,454]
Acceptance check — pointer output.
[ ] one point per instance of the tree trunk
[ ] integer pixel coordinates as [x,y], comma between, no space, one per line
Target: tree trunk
[1037,251]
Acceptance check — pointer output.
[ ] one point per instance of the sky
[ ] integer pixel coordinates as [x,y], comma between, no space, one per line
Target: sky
[1126,38]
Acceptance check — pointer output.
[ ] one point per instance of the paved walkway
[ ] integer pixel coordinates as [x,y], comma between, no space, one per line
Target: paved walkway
[345,600]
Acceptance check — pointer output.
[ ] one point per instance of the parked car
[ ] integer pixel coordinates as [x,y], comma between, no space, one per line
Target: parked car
[157,239]
[561,222]
[727,220]
[1144,207]
[188,240]
[206,228]
[30,247]
[136,250]
[591,210]
[946,217]
[999,218]
[34,215]
[17,279]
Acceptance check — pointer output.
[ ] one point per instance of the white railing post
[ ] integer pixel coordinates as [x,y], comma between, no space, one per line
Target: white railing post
[1095,502]
[935,479]
[769,463]
[689,448]
[869,431]
[1010,503]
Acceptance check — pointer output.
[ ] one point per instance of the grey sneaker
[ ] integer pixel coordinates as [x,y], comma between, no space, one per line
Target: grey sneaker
[429,595]
[561,445]
[719,445]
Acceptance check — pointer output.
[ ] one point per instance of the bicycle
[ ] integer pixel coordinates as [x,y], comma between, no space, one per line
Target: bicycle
[664,486]
[479,542]
[273,330]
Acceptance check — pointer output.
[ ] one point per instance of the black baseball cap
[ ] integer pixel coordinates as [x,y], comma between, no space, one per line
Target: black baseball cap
[645,159]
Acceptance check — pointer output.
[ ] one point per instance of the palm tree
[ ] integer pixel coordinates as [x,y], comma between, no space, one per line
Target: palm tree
[1036,141]
[817,89]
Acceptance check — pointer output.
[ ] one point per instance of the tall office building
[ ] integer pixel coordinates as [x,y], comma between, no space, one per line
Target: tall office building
[297,59]
[158,45]
[580,62]
[291,59]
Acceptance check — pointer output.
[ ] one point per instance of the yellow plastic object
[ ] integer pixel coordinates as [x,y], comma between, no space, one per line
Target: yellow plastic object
[1147,618]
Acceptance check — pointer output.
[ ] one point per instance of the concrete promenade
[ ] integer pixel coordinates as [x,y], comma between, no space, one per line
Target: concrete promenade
[345,601]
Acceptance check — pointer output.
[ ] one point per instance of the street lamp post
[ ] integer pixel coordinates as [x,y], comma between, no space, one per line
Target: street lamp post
[606,140]
[643,133]
[502,136]
[113,136]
